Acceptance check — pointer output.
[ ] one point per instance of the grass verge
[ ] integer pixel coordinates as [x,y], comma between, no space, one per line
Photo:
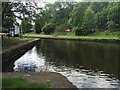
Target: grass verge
[94,36]
[9,42]
[19,82]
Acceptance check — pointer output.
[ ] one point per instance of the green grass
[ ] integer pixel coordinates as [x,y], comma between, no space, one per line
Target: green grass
[16,39]
[18,82]
[9,42]
[65,33]
[106,34]
[93,36]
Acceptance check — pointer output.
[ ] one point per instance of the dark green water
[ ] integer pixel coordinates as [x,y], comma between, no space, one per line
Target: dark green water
[85,64]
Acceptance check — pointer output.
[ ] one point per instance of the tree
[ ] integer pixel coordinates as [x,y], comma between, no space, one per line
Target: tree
[109,14]
[25,26]
[7,15]
[60,28]
[113,16]
[82,17]
[26,12]
[76,16]
[48,28]
[101,19]
[111,26]
[62,12]
[98,6]
[88,24]
[38,27]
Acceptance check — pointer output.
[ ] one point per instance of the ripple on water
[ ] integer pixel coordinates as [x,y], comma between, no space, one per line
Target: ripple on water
[80,77]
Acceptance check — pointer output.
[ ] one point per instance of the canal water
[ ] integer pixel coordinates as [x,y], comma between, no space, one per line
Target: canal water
[85,64]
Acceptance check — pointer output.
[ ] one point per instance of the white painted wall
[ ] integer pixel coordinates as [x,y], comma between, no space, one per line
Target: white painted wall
[17,29]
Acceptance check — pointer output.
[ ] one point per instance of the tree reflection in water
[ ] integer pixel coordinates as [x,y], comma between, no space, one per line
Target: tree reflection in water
[85,64]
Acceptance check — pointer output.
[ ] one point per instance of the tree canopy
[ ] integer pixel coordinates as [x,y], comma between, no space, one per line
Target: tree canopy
[82,18]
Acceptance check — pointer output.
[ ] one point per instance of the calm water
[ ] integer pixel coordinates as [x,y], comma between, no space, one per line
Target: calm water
[85,64]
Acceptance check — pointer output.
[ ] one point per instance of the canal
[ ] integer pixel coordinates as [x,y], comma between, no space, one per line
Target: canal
[85,64]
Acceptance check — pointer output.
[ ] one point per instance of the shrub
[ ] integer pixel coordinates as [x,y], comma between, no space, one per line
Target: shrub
[111,26]
[38,27]
[48,28]
[60,28]
[75,28]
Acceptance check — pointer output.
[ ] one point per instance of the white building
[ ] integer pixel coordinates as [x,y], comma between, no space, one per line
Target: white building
[16,29]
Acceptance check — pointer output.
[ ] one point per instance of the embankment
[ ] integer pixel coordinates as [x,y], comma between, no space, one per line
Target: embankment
[77,38]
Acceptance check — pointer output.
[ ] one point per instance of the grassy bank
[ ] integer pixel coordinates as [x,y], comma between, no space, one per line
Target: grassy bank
[18,82]
[10,42]
[95,36]
[107,34]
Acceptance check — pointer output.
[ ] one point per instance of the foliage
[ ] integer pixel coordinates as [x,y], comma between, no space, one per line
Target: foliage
[60,28]
[89,20]
[12,12]
[83,17]
[37,27]
[75,28]
[110,26]
[101,19]
[7,15]
[48,28]
[88,24]
[76,16]
[25,26]
[113,17]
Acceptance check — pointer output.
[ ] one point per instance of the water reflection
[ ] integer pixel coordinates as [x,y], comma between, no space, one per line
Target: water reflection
[86,65]
[30,62]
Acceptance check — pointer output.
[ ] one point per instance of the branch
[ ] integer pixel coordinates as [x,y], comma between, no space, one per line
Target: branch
[3,10]
[18,17]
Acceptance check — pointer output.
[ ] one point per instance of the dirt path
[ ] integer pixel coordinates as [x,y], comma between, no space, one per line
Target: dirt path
[56,80]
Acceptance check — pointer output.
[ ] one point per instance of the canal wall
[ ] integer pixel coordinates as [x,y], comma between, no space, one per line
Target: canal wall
[15,52]
[87,40]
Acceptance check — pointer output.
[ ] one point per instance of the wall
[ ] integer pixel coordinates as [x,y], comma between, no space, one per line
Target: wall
[10,55]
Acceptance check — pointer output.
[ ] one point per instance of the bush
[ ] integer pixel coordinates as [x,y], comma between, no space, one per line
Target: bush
[80,31]
[60,28]
[25,26]
[84,31]
[75,28]
[111,26]
[38,27]
[48,28]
